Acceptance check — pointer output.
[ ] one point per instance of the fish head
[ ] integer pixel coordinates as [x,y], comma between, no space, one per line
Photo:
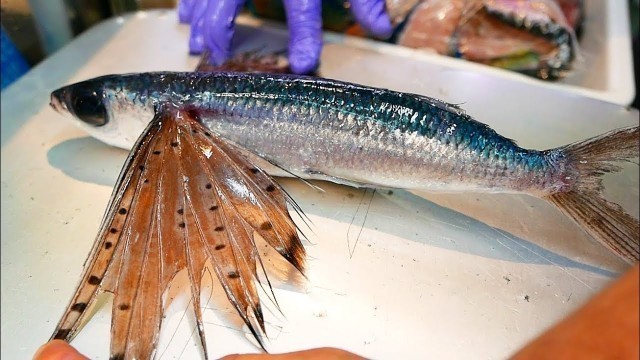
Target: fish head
[111,108]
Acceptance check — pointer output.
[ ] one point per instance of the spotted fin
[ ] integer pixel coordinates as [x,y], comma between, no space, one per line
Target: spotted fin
[184,197]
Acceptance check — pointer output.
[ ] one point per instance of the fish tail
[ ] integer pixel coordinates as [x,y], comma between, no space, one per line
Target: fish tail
[584,203]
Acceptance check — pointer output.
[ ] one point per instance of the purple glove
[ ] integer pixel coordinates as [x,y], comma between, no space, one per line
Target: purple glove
[212,26]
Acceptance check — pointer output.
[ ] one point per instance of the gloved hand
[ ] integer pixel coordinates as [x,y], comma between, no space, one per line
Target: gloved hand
[212,27]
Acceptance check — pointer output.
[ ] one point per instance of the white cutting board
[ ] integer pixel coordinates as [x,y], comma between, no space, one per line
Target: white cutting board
[451,276]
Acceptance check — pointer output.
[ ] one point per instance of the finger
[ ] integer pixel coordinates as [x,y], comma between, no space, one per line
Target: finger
[219,26]
[185,10]
[58,350]
[304,18]
[311,354]
[196,38]
[372,16]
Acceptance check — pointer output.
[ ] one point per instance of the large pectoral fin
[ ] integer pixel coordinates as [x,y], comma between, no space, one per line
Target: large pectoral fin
[184,197]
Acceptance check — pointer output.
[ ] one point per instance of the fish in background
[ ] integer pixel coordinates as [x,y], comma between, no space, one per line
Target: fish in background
[530,37]
[535,37]
[196,187]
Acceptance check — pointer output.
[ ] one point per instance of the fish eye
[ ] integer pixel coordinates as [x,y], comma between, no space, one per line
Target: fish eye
[87,105]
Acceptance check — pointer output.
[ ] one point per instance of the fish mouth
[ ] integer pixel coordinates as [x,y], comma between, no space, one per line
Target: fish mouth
[57,102]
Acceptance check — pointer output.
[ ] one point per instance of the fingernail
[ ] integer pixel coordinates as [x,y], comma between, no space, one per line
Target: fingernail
[58,350]
[303,64]
[196,44]
[183,16]
[185,10]
[382,27]
[216,57]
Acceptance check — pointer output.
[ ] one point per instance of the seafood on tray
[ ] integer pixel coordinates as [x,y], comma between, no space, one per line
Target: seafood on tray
[534,37]
[531,37]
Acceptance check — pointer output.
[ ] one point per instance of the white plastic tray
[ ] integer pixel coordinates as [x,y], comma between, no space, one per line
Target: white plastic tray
[604,70]
[450,276]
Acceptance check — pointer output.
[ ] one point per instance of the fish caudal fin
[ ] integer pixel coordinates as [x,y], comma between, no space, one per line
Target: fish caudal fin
[604,220]
[184,198]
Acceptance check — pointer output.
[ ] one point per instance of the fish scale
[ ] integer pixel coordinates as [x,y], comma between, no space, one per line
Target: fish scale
[317,104]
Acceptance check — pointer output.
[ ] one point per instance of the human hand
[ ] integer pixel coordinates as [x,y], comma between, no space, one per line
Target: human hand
[213,21]
[60,350]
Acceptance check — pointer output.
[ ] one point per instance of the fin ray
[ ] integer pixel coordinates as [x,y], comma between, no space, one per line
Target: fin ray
[182,200]
[605,221]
